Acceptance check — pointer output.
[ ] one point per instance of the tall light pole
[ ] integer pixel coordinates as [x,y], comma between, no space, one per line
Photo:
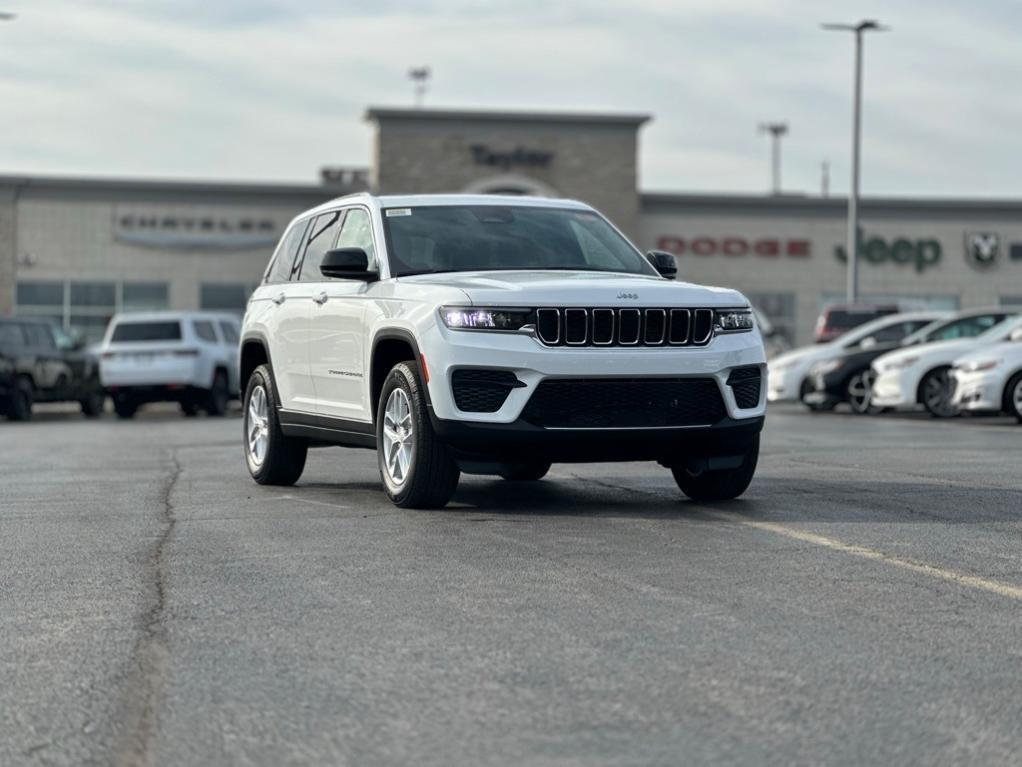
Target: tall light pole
[867,25]
[419,76]
[777,132]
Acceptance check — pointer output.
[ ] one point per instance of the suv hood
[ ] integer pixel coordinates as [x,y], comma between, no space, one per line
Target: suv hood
[583,288]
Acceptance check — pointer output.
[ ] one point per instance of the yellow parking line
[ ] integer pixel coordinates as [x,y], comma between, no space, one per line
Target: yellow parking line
[962,579]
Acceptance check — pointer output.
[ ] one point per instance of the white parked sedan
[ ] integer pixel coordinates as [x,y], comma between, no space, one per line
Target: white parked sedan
[787,373]
[990,379]
[921,375]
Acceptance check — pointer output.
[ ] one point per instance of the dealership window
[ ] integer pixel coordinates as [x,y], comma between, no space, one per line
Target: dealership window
[1014,302]
[224,296]
[87,307]
[779,309]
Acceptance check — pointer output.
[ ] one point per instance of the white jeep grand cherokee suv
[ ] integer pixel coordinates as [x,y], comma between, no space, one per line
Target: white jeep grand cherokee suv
[493,335]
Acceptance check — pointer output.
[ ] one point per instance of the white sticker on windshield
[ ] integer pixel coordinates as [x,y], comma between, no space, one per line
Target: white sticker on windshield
[398,212]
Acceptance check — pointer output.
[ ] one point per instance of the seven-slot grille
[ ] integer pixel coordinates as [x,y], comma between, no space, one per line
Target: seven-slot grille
[624,327]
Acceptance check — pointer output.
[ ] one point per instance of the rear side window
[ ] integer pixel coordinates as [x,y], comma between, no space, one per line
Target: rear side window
[967,327]
[284,259]
[11,335]
[229,331]
[324,230]
[169,330]
[204,330]
[39,336]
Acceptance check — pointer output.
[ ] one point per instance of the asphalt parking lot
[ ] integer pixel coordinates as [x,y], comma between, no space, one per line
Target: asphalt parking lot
[861,605]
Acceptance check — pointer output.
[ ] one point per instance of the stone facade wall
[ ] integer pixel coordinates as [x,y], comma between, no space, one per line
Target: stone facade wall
[8,248]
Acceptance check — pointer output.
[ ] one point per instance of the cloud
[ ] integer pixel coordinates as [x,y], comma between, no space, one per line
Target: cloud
[273,90]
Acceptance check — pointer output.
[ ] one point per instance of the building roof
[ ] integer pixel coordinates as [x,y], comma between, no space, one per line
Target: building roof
[476,115]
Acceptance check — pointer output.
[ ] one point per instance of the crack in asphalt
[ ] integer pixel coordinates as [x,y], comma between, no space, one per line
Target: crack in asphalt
[149,660]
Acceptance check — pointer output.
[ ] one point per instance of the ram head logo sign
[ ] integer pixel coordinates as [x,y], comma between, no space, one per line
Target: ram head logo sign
[982,249]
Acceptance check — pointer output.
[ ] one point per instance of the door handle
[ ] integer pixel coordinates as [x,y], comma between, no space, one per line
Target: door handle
[321,298]
[279,299]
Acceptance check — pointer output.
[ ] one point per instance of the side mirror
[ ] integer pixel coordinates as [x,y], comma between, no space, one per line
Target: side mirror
[347,264]
[868,342]
[1016,334]
[664,263]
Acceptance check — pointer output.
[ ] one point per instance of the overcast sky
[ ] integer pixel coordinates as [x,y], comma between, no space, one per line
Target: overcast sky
[262,90]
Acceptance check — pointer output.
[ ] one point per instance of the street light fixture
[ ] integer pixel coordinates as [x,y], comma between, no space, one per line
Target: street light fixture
[777,132]
[419,76]
[867,25]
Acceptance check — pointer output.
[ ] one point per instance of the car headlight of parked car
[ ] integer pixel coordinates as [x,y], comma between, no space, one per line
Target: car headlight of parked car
[475,318]
[898,364]
[733,320]
[826,367]
[977,366]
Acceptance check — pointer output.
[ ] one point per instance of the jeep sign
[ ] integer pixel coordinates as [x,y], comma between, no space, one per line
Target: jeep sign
[922,254]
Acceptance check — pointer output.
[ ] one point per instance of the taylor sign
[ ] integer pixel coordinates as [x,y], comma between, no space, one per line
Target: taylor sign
[734,246]
[203,228]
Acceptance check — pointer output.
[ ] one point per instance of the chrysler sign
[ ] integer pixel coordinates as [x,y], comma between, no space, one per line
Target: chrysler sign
[203,228]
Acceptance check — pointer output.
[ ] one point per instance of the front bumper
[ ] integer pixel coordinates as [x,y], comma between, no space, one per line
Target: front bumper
[446,351]
[977,392]
[895,389]
[521,441]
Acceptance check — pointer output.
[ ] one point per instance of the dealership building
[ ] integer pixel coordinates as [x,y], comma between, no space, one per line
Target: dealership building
[80,249]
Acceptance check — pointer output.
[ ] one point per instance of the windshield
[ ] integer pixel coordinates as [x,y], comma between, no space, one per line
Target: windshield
[1001,330]
[464,238]
[147,331]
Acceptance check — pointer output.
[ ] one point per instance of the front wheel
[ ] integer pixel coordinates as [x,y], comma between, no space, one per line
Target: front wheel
[216,400]
[20,406]
[936,391]
[815,407]
[1013,397]
[93,401]
[860,393]
[719,484]
[417,469]
[125,407]
[272,457]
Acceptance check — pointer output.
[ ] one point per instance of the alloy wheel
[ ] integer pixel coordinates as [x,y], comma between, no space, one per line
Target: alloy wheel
[860,392]
[398,437]
[257,426]
[1016,397]
[937,393]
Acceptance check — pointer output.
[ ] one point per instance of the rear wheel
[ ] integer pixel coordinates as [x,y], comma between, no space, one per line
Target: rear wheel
[93,401]
[417,469]
[718,484]
[935,393]
[272,457]
[189,408]
[526,472]
[125,407]
[20,406]
[1013,396]
[860,393]
[216,401]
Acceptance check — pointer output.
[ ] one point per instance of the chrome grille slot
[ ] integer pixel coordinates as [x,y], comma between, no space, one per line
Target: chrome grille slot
[680,321]
[603,327]
[656,327]
[576,326]
[548,326]
[630,322]
[702,326]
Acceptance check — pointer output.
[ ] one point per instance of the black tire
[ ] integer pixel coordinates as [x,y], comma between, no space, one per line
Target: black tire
[935,391]
[20,406]
[1013,397]
[526,472]
[93,401]
[859,392]
[284,458]
[816,407]
[189,408]
[125,407]
[430,476]
[219,395]
[720,484]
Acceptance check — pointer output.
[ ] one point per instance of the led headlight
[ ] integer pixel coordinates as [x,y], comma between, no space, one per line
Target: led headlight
[900,364]
[978,366]
[473,318]
[823,368]
[733,320]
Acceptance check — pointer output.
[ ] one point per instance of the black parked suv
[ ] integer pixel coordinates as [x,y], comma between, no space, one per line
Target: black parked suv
[39,362]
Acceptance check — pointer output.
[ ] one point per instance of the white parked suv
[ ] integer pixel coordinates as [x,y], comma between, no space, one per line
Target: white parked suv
[185,357]
[493,335]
